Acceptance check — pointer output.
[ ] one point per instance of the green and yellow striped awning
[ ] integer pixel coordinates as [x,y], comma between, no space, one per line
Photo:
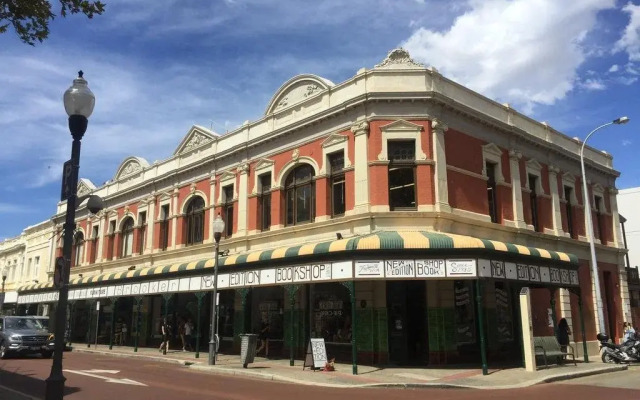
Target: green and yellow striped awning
[376,241]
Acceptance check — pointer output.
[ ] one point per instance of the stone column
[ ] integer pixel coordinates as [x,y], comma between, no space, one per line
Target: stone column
[516,189]
[555,201]
[212,205]
[101,235]
[441,186]
[174,218]
[243,171]
[151,219]
[616,229]
[361,166]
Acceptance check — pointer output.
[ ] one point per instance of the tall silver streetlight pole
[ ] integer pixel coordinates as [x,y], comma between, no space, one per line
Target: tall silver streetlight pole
[78,102]
[587,213]
[218,228]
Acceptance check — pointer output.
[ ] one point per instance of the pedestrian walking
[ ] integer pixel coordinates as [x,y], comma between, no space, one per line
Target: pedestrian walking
[123,334]
[165,330]
[562,334]
[263,336]
[188,332]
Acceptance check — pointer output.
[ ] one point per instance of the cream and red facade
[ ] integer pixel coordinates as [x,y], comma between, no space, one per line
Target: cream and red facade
[456,134]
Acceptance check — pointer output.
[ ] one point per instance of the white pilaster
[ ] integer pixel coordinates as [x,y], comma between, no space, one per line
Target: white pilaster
[101,235]
[556,216]
[361,166]
[439,157]
[516,189]
[212,203]
[243,170]
[151,219]
[174,217]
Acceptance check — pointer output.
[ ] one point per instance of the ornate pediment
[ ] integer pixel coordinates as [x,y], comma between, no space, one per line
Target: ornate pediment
[227,175]
[130,166]
[398,59]
[333,139]
[296,90]
[534,165]
[197,137]
[401,126]
[85,186]
[493,149]
[263,163]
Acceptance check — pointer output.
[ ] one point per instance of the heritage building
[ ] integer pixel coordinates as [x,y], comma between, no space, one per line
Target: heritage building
[397,215]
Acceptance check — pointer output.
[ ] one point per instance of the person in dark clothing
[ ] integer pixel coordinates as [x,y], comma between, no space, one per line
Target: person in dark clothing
[562,334]
[263,336]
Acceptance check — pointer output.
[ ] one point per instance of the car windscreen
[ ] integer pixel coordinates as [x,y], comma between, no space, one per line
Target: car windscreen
[20,324]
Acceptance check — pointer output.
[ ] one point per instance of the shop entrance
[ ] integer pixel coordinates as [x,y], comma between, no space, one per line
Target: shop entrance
[406,301]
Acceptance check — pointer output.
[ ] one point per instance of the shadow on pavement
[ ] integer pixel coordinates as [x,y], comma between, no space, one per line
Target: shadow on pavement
[24,379]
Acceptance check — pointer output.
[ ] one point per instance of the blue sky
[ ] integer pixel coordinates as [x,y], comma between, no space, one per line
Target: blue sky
[159,66]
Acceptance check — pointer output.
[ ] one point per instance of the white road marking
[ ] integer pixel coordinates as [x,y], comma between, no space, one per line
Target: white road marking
[94,373]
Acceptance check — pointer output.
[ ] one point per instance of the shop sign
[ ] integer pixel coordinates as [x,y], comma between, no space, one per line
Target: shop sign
[511,271]
[369,269]
[534,273]
[400,268]
[461,268]
[430,269]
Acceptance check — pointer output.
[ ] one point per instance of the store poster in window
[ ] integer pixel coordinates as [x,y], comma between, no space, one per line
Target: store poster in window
[504,317]
[332,318]
[464,313]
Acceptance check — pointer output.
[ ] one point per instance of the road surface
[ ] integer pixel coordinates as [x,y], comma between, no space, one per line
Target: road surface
[101,377]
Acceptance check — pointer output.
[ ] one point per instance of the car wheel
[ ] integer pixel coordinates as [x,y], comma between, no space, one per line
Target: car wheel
[46,354]
[4,354]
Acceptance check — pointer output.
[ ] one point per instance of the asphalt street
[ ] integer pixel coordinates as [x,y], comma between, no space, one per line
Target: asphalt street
[99,377]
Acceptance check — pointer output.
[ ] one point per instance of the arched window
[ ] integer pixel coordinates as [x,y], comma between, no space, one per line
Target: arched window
[300,195]
[194,223]
[78,243]
[127,237]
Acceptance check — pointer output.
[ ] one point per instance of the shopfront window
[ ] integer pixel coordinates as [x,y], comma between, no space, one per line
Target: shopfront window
[267,304]
[504,315]
[331,313]
[464,312]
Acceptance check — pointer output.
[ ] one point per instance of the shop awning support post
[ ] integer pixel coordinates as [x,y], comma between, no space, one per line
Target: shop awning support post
[483,344]
[114,302]
[138,300]
[200,296]
[292,289]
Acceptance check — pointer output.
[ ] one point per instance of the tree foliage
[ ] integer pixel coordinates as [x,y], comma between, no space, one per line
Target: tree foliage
[30,18]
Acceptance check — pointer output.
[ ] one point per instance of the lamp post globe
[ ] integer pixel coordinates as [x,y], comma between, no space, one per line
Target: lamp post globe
[218,228]
[79,102]
[79,99]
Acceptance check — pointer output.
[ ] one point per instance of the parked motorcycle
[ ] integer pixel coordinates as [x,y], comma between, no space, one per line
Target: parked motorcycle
[627,352]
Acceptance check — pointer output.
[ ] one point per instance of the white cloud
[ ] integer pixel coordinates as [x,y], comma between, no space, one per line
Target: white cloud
[614,68]
[495,48]
[627,80]
[7,208]
[630,40]
[593,84]
[626,142]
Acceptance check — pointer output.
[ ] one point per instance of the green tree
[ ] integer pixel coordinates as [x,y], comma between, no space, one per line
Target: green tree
[30,18]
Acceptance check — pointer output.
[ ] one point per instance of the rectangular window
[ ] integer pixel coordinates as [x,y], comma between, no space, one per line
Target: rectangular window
[142,229]
[36,270]
[164,227]
[227,210]
[600,218]
[264,202]
[402,175]
[491,191]
[336,182]
[568,193]
[533,196]
[28,274]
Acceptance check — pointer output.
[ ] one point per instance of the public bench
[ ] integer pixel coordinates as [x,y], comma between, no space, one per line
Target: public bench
[548,347]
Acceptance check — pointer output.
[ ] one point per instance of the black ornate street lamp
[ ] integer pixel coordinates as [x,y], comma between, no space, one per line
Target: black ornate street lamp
[5,272]
[78,102]
[218,228]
